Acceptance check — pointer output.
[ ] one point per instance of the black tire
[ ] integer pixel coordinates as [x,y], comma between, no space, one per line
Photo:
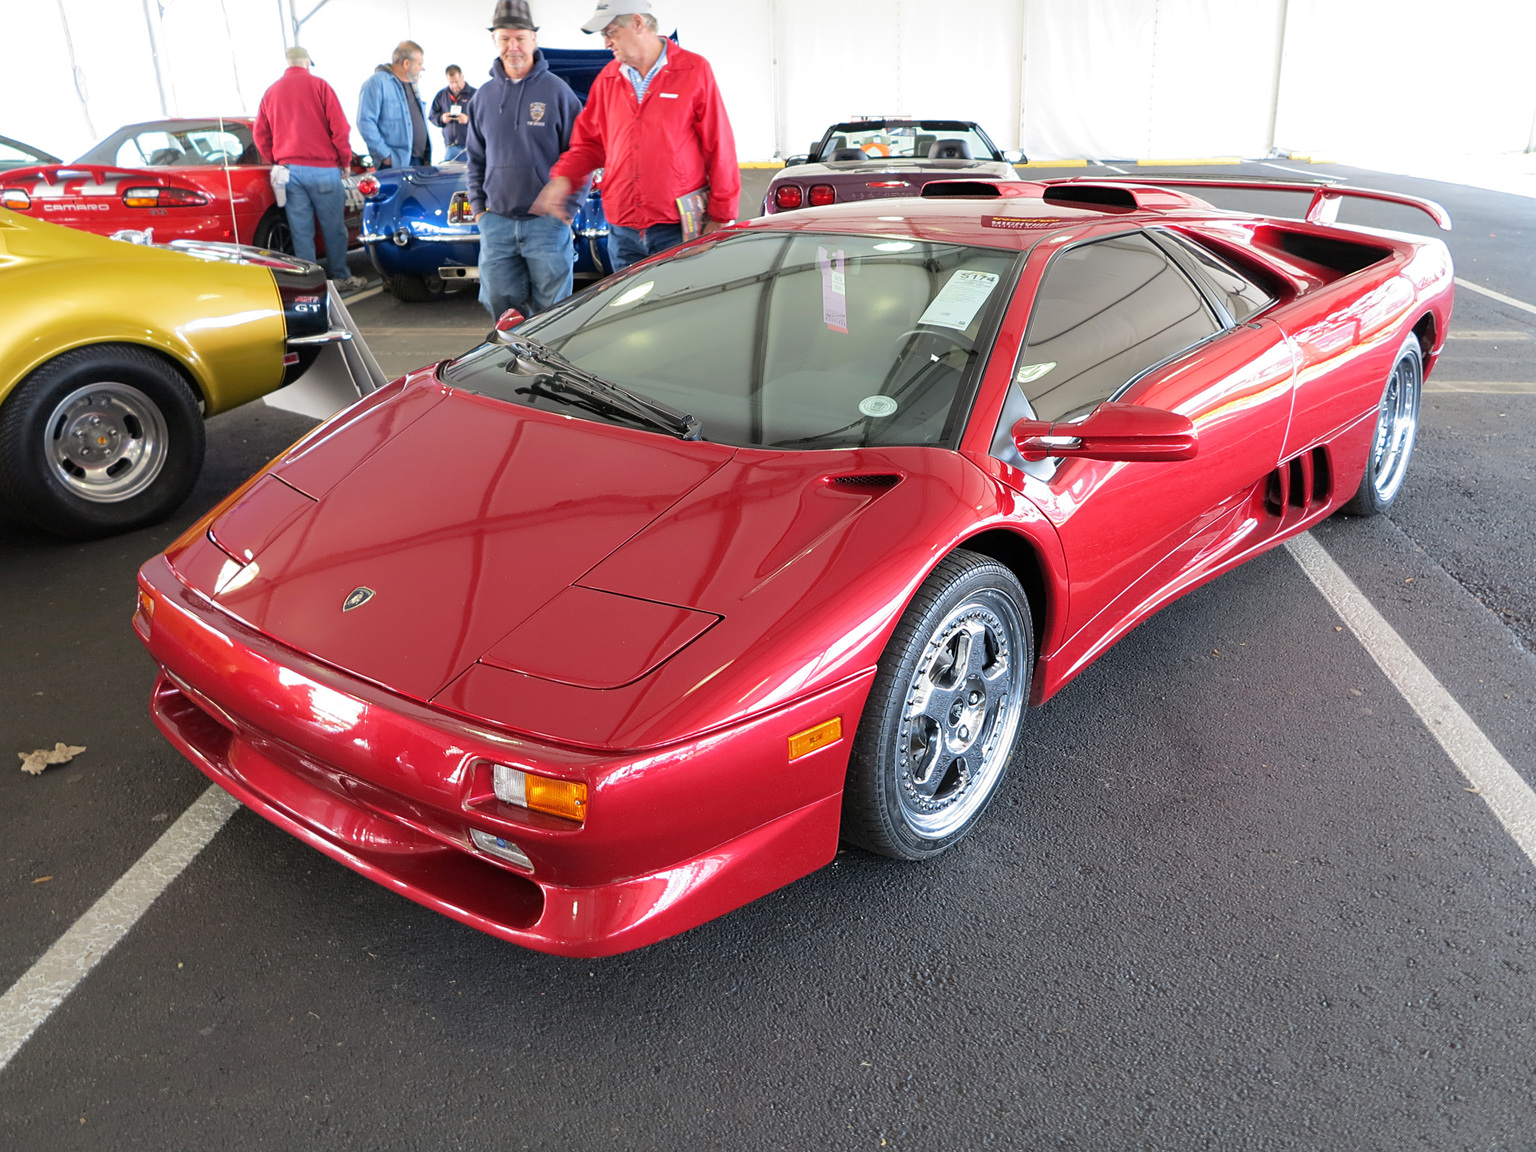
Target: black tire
[1397,425]
[944,713]
[98,441]
[412,289]
[273,232]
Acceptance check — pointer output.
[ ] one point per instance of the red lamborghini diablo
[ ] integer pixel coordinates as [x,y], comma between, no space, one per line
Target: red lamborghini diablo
[625,617]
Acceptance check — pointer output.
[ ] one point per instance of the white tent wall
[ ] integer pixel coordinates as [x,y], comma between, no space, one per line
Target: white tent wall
[1408,78]
[957,61]
[1060,78]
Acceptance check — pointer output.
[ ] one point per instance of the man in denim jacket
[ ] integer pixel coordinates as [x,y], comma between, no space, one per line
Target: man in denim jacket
[390,115]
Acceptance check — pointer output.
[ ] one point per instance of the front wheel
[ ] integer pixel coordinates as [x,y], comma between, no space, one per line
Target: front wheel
[100,440]
[944,712]
[1397,425]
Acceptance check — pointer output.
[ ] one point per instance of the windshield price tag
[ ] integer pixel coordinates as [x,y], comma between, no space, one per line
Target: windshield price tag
[958,301]
[834,291]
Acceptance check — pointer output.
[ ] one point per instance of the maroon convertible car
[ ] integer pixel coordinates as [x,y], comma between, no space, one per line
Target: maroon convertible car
[878,159]
[628,615]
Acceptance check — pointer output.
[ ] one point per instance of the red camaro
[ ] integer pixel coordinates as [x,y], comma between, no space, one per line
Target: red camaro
[626,617]
[185,179]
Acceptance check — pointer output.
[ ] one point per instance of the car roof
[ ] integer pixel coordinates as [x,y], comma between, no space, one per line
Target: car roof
[1005,221]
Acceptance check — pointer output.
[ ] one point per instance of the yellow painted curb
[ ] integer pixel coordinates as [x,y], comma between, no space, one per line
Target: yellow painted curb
[1053,164]
[1304,159]
[761,164]
[1185,163]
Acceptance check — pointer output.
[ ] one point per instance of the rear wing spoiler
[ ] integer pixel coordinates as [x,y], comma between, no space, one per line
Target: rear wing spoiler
[1326,198]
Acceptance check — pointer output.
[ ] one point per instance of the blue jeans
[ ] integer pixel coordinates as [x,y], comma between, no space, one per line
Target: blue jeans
[316,193]
[453,152]
[524,263]
[628,245]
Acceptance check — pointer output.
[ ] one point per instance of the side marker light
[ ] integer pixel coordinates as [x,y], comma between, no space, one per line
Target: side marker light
[804,743]
[146,611]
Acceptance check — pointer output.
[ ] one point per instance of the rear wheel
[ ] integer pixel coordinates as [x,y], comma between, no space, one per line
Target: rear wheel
[100,440]
[413,289]
[944,713]
[273,233]
[1397,425]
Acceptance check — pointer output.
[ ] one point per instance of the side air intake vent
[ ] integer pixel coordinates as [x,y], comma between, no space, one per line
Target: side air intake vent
[872,480]
[1299,487]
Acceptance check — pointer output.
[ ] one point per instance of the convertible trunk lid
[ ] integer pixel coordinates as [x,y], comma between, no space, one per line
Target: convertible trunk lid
[460,527]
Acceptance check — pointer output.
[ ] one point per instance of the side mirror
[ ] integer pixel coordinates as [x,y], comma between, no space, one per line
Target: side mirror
[1111,431]
[1014,156]
[795,161]
[508,320]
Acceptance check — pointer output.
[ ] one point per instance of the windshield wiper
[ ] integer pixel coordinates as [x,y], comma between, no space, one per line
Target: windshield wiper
[643,408]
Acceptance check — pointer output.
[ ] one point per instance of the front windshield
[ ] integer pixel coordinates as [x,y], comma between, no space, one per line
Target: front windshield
[908,141]
[787,340]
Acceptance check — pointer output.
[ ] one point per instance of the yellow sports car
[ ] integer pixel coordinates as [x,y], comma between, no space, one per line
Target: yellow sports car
[112,353]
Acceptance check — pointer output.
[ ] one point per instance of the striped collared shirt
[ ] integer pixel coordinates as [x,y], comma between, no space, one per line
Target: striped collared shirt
[641,83]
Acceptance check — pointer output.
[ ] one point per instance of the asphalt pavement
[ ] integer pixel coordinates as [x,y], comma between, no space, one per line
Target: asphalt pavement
[1233,895]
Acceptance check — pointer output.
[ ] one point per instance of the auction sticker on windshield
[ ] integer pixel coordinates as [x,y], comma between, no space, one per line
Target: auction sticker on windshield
[958,301]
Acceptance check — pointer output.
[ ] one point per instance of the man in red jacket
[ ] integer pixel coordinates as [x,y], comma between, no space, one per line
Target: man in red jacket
[656,125]
[300,126]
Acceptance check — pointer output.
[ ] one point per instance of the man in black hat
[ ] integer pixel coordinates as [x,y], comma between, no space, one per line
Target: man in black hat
[519,122]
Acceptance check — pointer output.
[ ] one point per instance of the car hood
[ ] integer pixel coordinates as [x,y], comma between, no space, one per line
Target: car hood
[461,517]
[599,586]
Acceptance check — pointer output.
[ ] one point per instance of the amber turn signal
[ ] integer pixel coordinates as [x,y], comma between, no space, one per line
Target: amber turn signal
[567,798]
[804,743]
[146,610]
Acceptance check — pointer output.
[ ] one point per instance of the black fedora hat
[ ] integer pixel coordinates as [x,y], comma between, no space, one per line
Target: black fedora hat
[513,14]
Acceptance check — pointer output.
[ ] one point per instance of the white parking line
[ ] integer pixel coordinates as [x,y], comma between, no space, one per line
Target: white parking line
[45,985]
[1495,387]
[1502,788]
[1499,296]
[1304,172]
[1487,334]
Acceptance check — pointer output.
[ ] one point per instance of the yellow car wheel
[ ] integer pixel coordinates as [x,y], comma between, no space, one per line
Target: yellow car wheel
[100,440]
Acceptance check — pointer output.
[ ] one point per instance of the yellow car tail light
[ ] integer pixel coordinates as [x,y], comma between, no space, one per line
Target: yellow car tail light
[567,798]
[804,743]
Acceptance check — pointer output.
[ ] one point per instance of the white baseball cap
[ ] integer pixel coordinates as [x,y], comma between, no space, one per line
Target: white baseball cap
[610,10]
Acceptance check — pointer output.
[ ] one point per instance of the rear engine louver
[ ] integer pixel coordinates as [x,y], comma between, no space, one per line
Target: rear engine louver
[1299,487]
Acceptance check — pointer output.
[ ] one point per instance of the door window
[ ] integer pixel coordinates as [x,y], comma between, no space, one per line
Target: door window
[1106,312]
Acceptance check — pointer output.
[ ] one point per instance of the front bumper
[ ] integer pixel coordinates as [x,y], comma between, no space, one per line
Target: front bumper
[393,788]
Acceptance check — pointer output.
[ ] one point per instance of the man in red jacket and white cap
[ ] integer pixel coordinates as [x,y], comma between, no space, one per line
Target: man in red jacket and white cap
[656,125]
[300,125]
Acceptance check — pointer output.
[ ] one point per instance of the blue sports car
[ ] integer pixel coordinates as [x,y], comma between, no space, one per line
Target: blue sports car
[417,224]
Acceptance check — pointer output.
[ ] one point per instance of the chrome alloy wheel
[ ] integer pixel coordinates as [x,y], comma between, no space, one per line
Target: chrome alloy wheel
[1397,422]
[961,713]
[106,442]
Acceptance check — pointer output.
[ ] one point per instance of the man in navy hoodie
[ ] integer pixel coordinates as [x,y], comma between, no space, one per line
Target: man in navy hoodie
[519,123]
